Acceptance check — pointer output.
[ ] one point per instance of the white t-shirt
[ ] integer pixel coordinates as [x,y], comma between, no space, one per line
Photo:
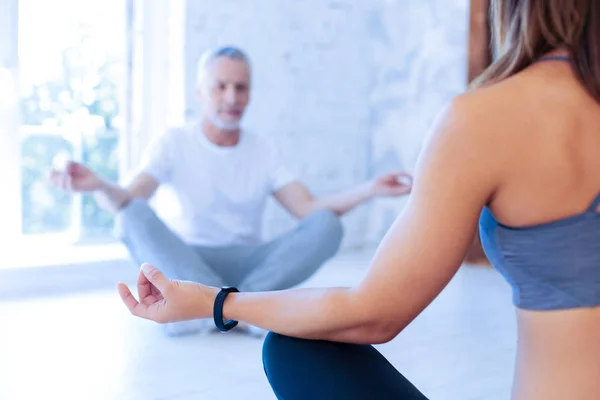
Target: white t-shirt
[217,194]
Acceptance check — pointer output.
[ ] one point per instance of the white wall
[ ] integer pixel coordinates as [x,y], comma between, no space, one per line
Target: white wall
[419,56]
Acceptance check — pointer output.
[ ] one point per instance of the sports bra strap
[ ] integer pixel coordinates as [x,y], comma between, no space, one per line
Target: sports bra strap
[554,58]
[595,204]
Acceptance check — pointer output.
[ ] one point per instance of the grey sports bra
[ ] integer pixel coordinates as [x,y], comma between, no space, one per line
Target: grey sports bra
[550,266]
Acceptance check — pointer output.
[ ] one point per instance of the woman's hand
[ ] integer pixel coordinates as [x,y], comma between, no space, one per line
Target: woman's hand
[166,300]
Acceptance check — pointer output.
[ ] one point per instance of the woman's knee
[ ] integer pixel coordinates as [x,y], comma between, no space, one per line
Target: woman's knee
[289,364]
[274,346]
[283,353]
[314,369]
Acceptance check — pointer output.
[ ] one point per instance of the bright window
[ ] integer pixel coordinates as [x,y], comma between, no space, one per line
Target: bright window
[72,69]
[87,80]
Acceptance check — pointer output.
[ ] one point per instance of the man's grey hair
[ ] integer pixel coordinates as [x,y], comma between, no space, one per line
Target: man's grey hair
[212,54]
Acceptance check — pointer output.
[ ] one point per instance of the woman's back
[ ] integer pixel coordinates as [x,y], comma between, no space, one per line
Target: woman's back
[552,130]
[538,221]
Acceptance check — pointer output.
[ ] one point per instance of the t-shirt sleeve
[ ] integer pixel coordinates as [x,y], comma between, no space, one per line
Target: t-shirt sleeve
[157,158]
[280,174]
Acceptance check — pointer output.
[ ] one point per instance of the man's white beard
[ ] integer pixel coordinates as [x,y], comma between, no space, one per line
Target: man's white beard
[225,126]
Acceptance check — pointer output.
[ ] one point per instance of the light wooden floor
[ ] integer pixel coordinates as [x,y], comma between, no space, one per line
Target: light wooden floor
[87,346]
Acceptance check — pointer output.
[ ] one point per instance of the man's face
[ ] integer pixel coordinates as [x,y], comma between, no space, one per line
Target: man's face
[225,92]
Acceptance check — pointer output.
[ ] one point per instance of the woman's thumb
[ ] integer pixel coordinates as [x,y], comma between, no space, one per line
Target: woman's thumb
[155,277]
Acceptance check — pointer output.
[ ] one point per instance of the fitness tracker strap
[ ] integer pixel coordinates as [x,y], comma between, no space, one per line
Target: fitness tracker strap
[223,326]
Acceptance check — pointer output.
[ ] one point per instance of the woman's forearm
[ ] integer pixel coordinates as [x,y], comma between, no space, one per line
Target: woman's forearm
[326,314]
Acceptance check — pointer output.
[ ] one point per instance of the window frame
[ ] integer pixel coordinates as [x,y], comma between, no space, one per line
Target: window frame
[10,211]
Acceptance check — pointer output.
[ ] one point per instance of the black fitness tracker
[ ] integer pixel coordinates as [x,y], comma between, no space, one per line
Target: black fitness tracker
[223,326]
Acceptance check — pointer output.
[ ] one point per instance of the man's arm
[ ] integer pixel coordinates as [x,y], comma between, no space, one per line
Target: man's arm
[155,168]
[76,177]
[297,199]
[113,197]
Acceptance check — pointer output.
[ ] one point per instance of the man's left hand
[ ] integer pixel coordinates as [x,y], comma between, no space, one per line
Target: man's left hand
[392,184]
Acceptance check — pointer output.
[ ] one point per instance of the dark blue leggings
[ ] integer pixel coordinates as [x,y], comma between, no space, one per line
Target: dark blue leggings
[299,369]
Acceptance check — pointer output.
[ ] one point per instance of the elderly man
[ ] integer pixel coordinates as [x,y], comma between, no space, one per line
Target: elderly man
[221,177]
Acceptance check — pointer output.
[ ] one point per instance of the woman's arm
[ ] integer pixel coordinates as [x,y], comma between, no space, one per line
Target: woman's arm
[458,172]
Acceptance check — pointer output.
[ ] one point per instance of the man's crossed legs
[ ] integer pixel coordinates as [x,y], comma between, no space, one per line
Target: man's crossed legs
[279,264]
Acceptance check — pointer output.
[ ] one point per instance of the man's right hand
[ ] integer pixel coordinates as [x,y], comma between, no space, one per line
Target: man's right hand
[75,177]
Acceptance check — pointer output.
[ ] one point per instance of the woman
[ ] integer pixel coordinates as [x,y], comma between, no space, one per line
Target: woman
[520,155]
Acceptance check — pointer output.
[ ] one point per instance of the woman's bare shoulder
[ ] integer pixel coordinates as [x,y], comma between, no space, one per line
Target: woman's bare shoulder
[493,115]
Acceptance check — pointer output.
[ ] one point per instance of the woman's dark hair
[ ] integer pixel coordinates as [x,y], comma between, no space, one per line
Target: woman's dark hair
[525,30]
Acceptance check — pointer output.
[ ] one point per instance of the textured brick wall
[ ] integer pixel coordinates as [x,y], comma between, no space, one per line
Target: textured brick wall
[346,88]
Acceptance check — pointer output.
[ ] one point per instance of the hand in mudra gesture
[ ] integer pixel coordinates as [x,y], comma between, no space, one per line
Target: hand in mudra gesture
[74,177]
[167,300]
[392,184]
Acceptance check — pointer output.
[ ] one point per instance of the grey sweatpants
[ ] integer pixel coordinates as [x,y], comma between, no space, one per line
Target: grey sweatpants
[279,264]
